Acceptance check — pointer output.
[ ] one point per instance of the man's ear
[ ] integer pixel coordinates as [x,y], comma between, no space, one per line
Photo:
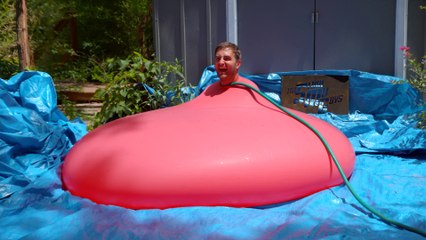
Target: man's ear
[238,64]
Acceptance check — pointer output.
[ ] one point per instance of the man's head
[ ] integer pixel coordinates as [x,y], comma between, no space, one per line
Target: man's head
[227,62]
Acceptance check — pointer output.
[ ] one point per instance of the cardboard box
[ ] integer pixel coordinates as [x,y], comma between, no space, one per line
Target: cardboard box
[316,93]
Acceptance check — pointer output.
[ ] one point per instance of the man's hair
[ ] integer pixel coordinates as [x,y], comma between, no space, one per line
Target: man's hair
[230,45]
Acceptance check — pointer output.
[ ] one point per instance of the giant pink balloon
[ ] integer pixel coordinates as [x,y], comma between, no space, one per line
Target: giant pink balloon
[227,147]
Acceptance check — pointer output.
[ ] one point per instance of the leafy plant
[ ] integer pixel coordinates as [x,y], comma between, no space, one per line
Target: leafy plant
[66,34]
[67,106]
[127,84]
[8,67]
[416,70]
[416,78]
[8,49]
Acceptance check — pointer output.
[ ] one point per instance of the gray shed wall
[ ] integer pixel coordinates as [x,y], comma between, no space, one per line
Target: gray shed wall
[287,35]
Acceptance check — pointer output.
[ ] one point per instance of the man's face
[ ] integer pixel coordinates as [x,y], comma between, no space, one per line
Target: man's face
[226,65]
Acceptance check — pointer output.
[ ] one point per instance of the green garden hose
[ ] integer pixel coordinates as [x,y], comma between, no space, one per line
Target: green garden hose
[336,162]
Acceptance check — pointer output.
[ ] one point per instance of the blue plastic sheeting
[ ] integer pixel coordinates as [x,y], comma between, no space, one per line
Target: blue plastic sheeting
[34,134]
[390,174]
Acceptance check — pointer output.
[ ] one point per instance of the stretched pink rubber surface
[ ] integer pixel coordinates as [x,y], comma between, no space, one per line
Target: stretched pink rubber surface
[227,147]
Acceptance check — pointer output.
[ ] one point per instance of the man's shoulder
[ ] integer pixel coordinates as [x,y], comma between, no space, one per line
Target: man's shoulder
[247,81]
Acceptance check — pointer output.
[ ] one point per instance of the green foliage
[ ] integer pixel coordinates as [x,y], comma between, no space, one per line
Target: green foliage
[69,38]
[416,69]
[8,49]
[422,120]
[417,72]
[416,78]
[125,92]
[113,27]
[66,34]
[67,106]
[8,67]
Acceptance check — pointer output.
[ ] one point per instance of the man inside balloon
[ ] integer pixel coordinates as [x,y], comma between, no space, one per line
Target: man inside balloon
[227,62]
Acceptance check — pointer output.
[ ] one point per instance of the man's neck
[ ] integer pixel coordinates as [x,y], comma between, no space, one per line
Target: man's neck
[228,81]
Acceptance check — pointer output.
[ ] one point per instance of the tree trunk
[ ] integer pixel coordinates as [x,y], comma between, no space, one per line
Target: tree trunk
[22,35]
[144,29]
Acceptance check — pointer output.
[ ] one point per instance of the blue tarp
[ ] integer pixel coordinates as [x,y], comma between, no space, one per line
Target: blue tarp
[390,174]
